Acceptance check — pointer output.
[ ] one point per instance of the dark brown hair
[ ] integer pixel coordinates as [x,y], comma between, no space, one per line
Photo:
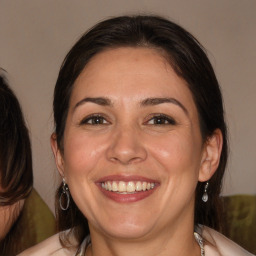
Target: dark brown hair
[16,178]
[188,59]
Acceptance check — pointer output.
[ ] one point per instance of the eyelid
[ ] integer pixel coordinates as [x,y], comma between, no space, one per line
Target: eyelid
[170,119]
[95,115]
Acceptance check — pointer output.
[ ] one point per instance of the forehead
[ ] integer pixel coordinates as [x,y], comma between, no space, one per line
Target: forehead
[130,72]
[123,61]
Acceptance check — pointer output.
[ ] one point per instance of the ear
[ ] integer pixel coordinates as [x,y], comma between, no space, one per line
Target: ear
[211,156]
[57,154]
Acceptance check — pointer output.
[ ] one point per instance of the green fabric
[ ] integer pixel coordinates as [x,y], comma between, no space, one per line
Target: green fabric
[37,221]
[240,220]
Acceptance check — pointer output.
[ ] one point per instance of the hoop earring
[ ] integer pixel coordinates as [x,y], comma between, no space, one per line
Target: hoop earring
[205,195]
[64,193]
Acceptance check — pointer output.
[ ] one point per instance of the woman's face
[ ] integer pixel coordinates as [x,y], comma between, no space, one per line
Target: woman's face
[132,144]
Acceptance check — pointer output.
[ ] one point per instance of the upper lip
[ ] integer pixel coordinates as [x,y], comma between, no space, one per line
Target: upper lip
[125,178]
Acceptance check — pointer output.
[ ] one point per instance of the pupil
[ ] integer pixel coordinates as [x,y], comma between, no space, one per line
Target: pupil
[159,121]
[97,120]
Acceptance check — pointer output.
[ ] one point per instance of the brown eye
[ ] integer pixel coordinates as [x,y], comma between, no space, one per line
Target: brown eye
[94,120]
[161,120]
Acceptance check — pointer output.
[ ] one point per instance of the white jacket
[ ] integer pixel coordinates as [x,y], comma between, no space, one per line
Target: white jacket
[215,244]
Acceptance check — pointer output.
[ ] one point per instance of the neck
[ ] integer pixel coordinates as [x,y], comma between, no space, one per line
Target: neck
[177,242]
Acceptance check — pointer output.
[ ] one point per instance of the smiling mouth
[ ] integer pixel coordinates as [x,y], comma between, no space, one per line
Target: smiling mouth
[130,187]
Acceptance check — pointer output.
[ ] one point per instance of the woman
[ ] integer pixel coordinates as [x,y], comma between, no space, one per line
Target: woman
[140,143]
[16,178]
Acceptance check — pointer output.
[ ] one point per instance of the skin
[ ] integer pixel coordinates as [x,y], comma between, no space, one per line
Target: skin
[128,142]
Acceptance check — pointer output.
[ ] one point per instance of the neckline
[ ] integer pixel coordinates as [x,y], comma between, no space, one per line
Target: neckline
[200,242]
[82,249]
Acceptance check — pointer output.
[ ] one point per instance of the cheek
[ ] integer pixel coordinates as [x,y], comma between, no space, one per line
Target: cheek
[177,152]
[179,157]
[81,154]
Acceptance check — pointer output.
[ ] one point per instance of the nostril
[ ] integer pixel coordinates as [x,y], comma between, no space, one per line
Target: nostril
[126,160]
[126,154]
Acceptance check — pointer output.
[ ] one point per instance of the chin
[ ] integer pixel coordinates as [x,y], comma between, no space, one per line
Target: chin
[128,233]
[127,228]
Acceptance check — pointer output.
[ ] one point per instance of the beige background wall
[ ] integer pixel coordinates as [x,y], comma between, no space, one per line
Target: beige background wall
[36,34]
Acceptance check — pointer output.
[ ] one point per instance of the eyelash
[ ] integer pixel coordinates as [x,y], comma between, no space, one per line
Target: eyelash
[162,118]
[158,119]
[100,120]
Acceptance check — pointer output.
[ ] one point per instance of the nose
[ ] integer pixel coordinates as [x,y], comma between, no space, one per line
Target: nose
[126,147]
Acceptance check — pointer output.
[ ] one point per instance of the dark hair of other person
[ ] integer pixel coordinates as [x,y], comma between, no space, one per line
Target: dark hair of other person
[188,59]
[16,178]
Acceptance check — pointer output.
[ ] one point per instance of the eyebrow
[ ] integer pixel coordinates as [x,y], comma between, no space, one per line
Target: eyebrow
[147,102]
[100,101]
[157,101]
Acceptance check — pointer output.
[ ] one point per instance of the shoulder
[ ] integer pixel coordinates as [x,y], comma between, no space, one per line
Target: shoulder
[50,246]
[217,244]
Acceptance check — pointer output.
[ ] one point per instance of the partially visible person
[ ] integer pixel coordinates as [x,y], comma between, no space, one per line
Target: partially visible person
[16,177]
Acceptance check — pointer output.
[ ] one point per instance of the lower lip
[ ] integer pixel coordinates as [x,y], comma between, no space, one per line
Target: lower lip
[126,198]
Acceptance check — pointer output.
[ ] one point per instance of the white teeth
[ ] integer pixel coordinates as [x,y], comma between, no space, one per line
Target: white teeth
[114,186]
[138,186]
[122,186]
[109,186]
[130,186]
[127,187]
[144,186]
